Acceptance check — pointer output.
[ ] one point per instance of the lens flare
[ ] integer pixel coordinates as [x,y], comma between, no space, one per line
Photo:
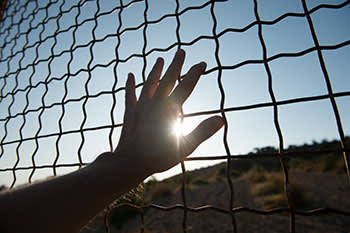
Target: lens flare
[178,128]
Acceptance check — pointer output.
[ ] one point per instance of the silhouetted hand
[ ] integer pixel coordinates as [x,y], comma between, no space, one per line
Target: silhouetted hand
[146,135]
[147,145]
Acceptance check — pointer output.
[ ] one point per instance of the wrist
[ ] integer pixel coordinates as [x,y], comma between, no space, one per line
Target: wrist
[118,165]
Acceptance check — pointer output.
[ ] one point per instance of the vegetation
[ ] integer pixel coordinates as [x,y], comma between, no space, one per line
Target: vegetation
[264,176]
[3,188]
[326,162]
[256,174]
[120,215]
[268,188]
[273,184]
[161,190]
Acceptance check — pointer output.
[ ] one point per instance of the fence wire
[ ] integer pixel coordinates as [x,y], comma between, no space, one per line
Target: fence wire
[18,44]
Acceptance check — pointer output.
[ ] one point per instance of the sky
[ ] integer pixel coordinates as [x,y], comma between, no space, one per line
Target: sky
[293,77]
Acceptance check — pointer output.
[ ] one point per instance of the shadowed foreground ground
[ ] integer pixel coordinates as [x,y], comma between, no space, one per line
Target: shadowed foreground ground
[318,190]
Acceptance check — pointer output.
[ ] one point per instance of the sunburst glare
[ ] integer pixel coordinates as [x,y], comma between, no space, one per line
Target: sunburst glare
[177,127]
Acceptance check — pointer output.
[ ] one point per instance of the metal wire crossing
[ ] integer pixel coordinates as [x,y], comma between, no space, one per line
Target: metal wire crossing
[13,54]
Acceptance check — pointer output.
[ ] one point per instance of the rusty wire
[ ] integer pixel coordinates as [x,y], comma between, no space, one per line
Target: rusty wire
[222,104]
[183,168]
[9,40]
[329,87]
[276,122]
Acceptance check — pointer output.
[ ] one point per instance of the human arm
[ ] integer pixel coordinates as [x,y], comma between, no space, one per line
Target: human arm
[146,146]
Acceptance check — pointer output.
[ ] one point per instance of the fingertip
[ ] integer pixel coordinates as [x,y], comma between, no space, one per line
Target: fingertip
[130,75]
[179,56]
[130,97]
[213,124]
[218,121]
[130,80]
[160,60]
[203,66]
[207,128]
[180,52]
[202,132]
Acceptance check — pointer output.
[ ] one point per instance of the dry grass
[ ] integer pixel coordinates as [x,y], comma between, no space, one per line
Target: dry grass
[273,184]
[274,201]
[256,175]
[270,193]
[320,164]
[161,190]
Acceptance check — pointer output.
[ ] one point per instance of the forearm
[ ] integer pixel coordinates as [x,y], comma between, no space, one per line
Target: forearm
[66,203]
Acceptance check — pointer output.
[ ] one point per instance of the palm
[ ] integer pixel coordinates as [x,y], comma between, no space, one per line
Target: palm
[146,133]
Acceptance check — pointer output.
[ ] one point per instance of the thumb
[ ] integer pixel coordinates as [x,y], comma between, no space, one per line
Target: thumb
[201,133]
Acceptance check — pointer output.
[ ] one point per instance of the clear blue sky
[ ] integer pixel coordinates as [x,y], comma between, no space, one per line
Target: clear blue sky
[293,77]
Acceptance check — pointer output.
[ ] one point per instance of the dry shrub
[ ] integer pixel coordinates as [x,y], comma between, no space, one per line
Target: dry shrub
[221,174]
[272,185]
[299,197]
[318,164]
[275,201]
[200,181]
[340,166]
[272,195]
[161,190]
[122,213]
[256,175]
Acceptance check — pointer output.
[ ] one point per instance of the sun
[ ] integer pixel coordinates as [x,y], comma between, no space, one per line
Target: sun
[183,127]
[177,128]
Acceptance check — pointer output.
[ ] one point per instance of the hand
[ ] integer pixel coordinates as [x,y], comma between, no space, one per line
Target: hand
[147,145]
[146,135]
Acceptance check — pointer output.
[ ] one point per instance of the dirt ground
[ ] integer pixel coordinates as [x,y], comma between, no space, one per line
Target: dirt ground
[328,190]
